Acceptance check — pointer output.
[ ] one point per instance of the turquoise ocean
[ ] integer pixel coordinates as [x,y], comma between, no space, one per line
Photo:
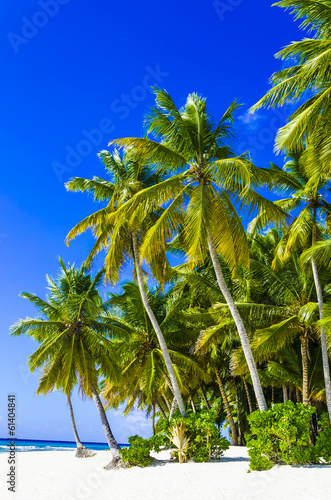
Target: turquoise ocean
[36,445]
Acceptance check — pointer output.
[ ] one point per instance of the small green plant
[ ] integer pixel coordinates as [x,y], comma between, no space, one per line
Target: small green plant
[280,435]
[323,441]
[206,443]
[196,437]
[138,453]
[181,441]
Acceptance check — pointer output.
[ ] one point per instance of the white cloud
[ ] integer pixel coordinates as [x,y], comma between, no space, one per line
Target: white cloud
[251,119]
[134,423]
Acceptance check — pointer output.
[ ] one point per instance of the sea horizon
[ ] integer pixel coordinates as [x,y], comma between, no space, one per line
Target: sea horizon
[25,445]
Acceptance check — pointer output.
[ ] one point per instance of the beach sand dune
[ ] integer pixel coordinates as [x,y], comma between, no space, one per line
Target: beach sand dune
[58,475]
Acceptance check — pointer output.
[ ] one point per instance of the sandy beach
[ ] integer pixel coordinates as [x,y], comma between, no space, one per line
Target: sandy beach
[58,475]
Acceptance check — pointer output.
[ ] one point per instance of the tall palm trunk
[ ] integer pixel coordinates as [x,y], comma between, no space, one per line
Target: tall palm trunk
[153,418]
[325,358]
[112,443]
[166,400]
[249,399]
[240,434]
[227,409]
[193,405]
[159,407]
[156,326]
[239,324]
[298,395]
[204,397]
[173,407]
[285,395]
[82,451]
[305,379]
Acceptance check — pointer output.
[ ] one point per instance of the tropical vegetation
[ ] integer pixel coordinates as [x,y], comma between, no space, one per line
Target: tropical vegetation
[234,325]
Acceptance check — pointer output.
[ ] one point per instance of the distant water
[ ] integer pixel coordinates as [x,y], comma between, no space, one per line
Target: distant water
[37,445]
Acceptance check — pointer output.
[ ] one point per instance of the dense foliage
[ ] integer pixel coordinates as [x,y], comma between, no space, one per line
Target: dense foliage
[280,435]
[244,320]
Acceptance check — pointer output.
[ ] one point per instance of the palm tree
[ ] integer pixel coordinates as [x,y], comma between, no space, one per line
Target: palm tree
[293,290]
[308,79]
[82,451]
[144,376]
[121,236]
[199,200]
[308,201]
[72,338]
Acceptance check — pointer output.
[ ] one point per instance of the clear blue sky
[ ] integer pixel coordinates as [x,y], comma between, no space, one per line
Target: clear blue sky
[86,67]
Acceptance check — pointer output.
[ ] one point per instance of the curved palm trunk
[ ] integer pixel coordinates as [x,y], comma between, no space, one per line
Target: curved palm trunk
[305,380]
[227,409]
[325,358]
[193,405]
[166,400]
[239,324]
[82,451]
[112,443]
[159,407]
[156,326]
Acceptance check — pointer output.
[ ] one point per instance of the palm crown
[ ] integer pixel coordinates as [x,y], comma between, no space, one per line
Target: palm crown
[211,181]
[72,333]
[308,79]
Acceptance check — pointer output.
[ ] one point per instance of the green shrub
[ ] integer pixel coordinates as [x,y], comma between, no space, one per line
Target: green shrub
[138,453]
[323,441]
[205,441]
[204,436]
[280,435]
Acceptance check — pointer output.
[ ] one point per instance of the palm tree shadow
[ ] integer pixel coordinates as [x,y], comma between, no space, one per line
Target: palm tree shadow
[157,463]
[312,466]
[233,459]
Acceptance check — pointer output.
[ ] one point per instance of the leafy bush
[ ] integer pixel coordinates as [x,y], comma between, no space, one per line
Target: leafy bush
[323,441]
[280,435]
[204,436]
[138,453]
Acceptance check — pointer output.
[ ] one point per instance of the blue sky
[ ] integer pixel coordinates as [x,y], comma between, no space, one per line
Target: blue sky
[75,76]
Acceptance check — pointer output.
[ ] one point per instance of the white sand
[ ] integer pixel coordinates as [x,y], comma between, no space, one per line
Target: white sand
[58,475]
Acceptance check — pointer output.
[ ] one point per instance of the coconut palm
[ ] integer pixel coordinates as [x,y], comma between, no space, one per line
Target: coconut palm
[82,451]
[144,375]
[72,338]
[307,200]
[120,236]
[200,199]
[308,80]
[294,291]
